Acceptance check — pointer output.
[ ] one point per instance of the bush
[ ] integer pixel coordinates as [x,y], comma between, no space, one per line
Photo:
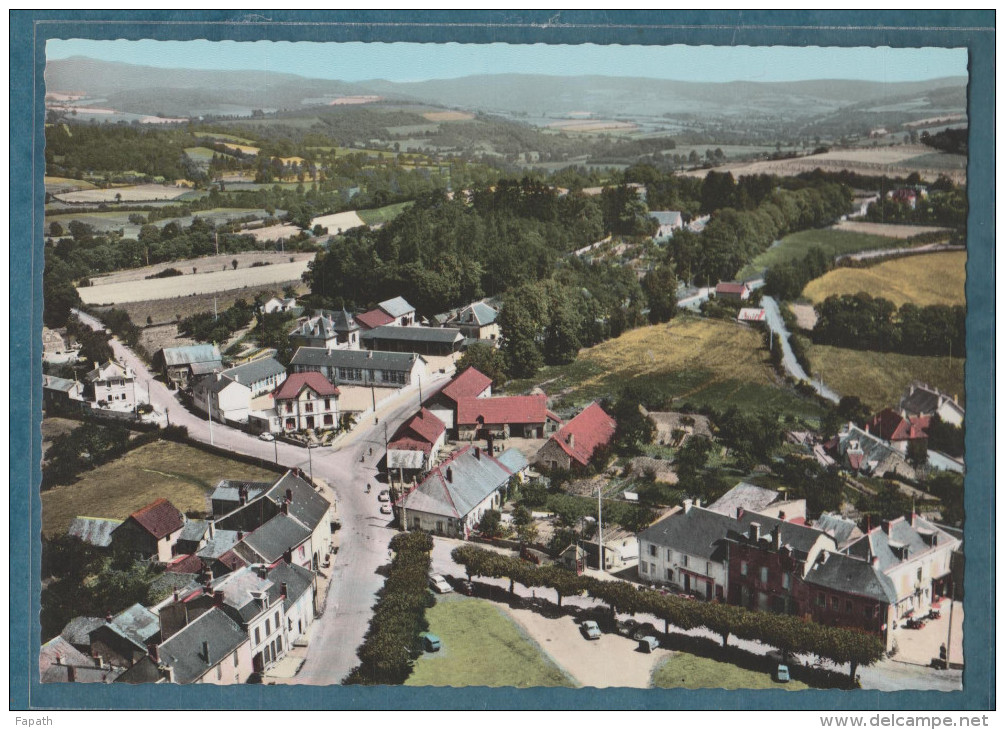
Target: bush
[166,273]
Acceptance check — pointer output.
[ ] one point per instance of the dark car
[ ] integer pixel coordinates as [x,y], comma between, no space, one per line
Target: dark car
[644,630]
[627,627]
[465,587]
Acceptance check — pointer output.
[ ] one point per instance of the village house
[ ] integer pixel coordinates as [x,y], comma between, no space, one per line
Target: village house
[335,330]
[751,498]
[59,661]
[151,532]
[230,494]
[182,365]
[77,632]
[843,530]
[358,367]
[392,312]
[436,341]
[737,291]
[111,385]
[53,342]
[454,496]
[476,321]
[470,383]
[307,401]
[525,416]
[667,222]
[416,444]
[122,640]
[576,441]
[899,430]
[621,549]
[863,453]
[922,400]
[278,304]
[60,395]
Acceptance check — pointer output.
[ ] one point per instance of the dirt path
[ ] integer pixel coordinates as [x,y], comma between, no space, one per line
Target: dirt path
[611,661]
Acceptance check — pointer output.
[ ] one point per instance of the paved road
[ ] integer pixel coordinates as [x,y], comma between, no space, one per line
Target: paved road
[773,316]
[365,534]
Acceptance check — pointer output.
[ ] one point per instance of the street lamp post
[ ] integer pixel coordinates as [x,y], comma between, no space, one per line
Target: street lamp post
[310,461]
[275,445]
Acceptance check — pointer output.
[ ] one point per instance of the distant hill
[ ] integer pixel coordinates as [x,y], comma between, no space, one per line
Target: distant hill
[149,90]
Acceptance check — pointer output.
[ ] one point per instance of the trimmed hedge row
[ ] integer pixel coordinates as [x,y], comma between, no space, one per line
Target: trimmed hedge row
[788,634]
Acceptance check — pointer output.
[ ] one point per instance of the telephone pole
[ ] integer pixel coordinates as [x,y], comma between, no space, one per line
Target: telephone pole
[600,529]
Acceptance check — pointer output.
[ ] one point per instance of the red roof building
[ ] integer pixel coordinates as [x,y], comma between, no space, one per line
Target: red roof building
[472,383]
[732,290]
[576,441]
[373,319]
[423,432]
[307,401]
[294,385]
[185,564]
[150,532]
[516,415]
[892,426]
[160,518]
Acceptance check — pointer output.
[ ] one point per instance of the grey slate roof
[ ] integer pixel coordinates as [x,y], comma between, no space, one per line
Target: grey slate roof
[472,480]
[297,579]
[799,538]
[272,539]
[51,382]
[306,506]
[840,528]
[190,354]
[228,489]
[396,307]
[363,359]
[748,496]
[254,371]
[924,400]
[446,335]
[94,530]
[184,651]
[513,459]
[851,575]
[698,531]
[477,313]
[667,217]
[167,582]
[137,624]
[902,536]
[221,542]
[237,588]
[405,459]
[205,368]
[193,531]
[78,630]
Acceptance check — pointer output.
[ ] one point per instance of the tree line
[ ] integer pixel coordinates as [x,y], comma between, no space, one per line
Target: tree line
[862,322]
[788,634]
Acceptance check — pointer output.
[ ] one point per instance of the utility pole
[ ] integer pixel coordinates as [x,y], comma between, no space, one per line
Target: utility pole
[275,444]
[600,528]
[216,235]
[949,638]
[209,415]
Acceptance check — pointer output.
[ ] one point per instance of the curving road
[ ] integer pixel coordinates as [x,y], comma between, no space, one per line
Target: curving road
[776,324]
[347,468]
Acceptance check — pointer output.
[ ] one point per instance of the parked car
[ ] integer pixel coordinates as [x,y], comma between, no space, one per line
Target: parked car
[627,627]
[439,584]
[385,509]
[266,436]
[642,631]
[466,587]
[431,642]
[590,630]
[782,673]
[648,644]
[384,496]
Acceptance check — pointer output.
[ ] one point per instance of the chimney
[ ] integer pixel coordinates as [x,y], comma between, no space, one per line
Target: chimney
[242,494]
[219,377]
[237,378]
[867,428]
[289,495]
[490,441]
[240,535]
[572,440]
[218,599]
[885,524]
[739,513]
[875,561]
[212,529]
[824,555]
[478,453]
[755,531]
[369,354]
[781,515]
[285,507]
[776,538]
[152,651]
[687,505]
[176,595]
[697,502]
[108,617]
[59,660]
[282,590]
[450,475]
[169,672]
[71,674]
[262,570]
[287,556]
[205,651]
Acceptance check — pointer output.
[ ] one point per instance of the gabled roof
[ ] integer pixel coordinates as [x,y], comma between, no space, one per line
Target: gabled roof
[468,384]
[51,382]
[137,624]
[188,564]
[893,426]
[747,496]
[922,399]
[94,530]
[186,355]
[471,479]
[899,542]
[229,490]
[240,589]
[255,371]
[295,384]
[667,217]
[505,409]
[396,307]
[413,334]
[275,537]
[696,531]
[183,652]
[218,544]
[841,529]
[853,575]
[798,538]
[407,455]
[306,506]
[581,436]
[78,630]
[513,459]
[374,318]
[159,518]
[478,313]
[424,426]
[730,287]
[108,369]
[362,359]
[193,531]
[297,579]
[59,651]
[408,444]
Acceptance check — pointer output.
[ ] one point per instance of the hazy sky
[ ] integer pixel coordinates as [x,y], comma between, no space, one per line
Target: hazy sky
[417,62]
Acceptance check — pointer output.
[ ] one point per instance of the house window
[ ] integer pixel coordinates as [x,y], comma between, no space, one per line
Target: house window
[219,672]
[743,567]
[652,568]
[821,601]
[684,560]
[919,575]
[289,408]
[847,606]
[328,404]
[235,658]
[644,567]
[764,574]
[652,550]
[279,643]
[268,627]
[834,603]
[708,568]
[669,556]
[669,574]
[786,581]
[258,636]
[277,620]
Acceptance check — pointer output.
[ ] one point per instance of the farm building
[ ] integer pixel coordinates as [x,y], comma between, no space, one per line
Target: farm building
[417,443]
[307,401]
[95,531]
[515,415]
[60,395]
[575,442]
[182,365]
[392,313]
[732,290]
[621,549]
[151,532]
[277,304]
[453,497]
[470,383]
[436,341]
[361,367]
[331,330]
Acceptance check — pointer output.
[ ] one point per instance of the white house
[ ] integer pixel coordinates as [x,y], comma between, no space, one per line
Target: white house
[668,220]
[112,386]
[228,395]
[361,367]
[276,304]
[923,400]
[307,400]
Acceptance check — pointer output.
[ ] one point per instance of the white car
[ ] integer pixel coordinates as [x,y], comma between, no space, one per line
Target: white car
[266,436]
[384,496]
[439,583]
[385,509]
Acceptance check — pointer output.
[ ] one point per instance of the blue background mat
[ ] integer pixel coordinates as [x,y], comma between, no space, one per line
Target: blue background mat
[29,31]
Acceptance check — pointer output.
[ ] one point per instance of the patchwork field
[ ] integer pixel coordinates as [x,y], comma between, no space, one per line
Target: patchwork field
[698,361]
[880,378]
[932,278]
[687,671]
[482,647]
[891,230]
[54,185]
[113,220]
[833,242]
[203,155]
[337,222]
[184,474]
[204,282]
[128,194]
[448,116]
[274,233]
[375,216]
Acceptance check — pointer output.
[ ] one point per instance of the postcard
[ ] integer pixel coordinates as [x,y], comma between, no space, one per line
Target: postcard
[429,352]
